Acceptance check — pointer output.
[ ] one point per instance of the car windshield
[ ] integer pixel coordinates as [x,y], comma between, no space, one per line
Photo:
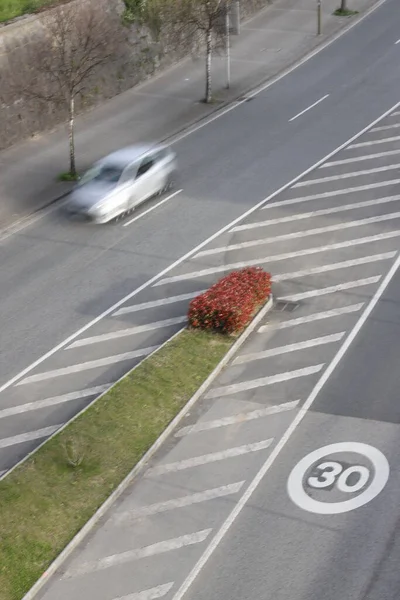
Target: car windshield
[102,173]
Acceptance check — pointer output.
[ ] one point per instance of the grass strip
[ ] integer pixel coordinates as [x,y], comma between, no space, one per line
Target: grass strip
[47,500]
[10,9]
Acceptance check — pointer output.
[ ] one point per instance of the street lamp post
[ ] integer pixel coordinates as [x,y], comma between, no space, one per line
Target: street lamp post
[319,17]
[227,47]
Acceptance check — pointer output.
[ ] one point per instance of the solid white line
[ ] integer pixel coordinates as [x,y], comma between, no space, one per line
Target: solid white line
[285,256]
[150,594]
[305,233]
[346,175]
[385,127]
[237,419]
[30,436]
[227,390]
[315,213]
[156,303]
[160,507]
[336,312]
[332,289]
[115,335]
[138,553]
[149,210]
[334,266]
[91,364]
[23,408]
[285,438]
[206,459]
[189,254]
[346,161]
[373,142]
[352,190]
[319,341]
[309,108]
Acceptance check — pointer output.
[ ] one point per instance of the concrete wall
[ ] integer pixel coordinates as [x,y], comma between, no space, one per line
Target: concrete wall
[20,119]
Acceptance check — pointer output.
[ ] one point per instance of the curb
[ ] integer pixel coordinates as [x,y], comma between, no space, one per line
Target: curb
[142,464]
[224,107]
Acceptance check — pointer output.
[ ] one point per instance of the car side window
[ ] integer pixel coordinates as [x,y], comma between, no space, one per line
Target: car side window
[129,173]
[144,166]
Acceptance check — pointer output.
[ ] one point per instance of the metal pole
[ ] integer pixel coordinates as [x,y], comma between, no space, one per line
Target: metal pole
[228,49]
[319,17]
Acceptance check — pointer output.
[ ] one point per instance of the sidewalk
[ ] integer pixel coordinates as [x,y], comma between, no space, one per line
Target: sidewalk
[269,42]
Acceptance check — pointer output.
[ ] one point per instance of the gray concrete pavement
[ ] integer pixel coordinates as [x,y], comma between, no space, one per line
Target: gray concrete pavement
[72,273]
[159,108]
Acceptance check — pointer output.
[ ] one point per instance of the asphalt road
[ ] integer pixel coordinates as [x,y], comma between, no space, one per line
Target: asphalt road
[55,276]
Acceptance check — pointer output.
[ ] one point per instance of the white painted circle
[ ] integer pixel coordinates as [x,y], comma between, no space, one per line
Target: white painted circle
[379,462]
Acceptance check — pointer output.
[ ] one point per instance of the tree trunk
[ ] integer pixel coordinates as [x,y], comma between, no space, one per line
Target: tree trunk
[343,5]
[208,65]
[72,168]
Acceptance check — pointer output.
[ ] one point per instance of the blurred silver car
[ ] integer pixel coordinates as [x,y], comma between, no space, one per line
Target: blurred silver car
[120,182]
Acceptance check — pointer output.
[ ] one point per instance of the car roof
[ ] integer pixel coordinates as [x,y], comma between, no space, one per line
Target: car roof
[128,155]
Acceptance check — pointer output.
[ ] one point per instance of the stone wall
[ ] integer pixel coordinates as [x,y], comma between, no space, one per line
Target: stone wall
[142,59]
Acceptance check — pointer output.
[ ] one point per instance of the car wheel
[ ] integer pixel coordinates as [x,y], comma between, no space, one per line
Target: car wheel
[170,182]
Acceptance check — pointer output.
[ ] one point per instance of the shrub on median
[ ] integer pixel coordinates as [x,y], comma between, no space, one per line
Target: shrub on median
[228,305]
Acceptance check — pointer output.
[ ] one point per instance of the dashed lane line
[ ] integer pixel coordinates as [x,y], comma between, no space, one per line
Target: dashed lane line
[151,594]
[54,401]
[237,419]
[374,142]
[91,364]
[347,161]
[309,215]
[319,180]
[30,436]
[309,108]
[298,346]
[205,459]
[332,193]
[319,316]
[138,553]
[115,335]
[310,232]
[161,507]
[244,386]
[332,289]
[157,303]
[280,257]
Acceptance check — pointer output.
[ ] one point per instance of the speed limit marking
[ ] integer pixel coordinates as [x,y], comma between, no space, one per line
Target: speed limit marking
[330,474]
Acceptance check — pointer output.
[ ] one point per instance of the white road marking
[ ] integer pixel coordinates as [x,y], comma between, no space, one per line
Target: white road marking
[385,127]
[288,255]
[398,42]
[352,190]
[115,335]
[314,213]
[156,303]
[235,388]
[30,436]
[91,364]
[149,210]
[346,175]
[160,507]
[138,553]
[373,142]
[23,408]
[396,113]
[334,266]
[354,159]
[332,289]
[319,341]
[302,234]
[150,594]
[328,314]
[219,536]
[206,459]
[309,108]
[237,419]
[215,235]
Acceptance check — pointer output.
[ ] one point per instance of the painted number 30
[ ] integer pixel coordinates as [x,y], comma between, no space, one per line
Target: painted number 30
[331,473]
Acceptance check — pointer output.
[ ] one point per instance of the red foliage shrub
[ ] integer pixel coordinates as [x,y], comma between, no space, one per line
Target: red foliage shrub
[228,305]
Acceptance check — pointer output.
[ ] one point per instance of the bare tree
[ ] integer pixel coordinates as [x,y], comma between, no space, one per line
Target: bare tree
[194,19]
[62,62]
